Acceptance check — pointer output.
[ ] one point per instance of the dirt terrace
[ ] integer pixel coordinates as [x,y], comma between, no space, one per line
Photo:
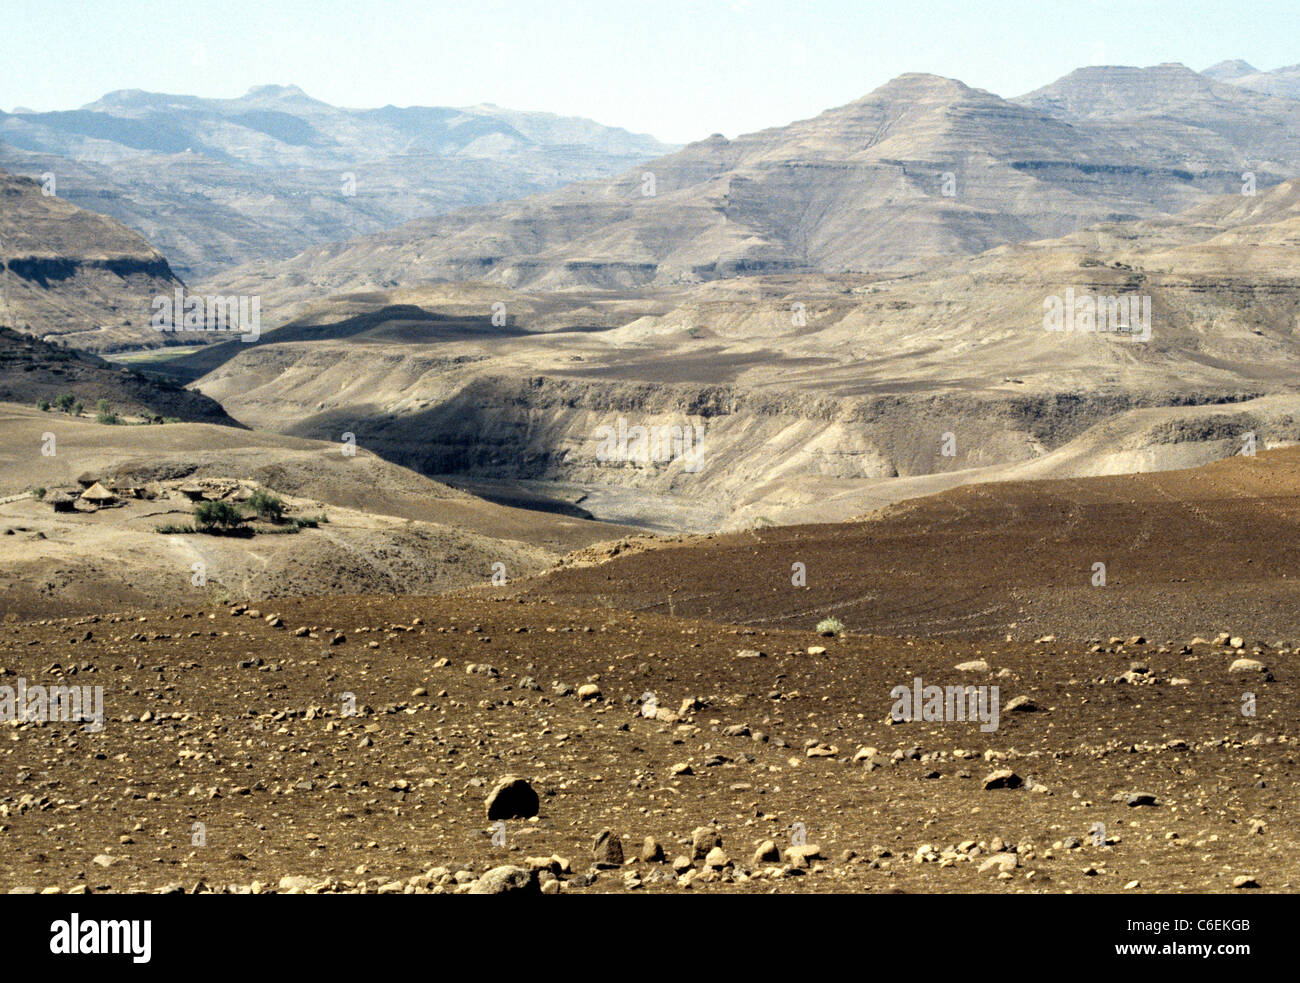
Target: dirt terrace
[1185,552]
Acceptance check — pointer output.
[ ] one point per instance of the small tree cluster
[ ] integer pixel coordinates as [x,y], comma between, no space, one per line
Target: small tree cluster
[217,516]
[267,505]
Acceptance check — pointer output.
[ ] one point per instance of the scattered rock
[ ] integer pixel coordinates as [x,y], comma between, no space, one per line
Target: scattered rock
[607,850]
[507,880]
[1023,704]
[1002,778]
[704,839]
[1250,665]
[512,798]
[800,855]
[1000,862]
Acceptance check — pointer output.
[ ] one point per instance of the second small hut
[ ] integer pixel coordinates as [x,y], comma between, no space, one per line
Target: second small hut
[98,496]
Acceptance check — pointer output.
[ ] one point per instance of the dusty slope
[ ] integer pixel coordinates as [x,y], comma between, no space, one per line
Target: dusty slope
[1185,552]
[389,530]
[1136,441]
[860,187]
[32,370]
[230,758]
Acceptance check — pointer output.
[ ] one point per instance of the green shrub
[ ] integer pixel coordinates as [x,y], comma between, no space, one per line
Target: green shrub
[830,626]
[38,494]
[65,402]
[43,406]
[110,419]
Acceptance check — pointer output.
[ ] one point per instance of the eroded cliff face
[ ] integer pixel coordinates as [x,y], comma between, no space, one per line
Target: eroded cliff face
[727,446]
[73,276]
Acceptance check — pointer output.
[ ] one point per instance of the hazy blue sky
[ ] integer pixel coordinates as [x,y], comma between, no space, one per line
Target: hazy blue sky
[679,69]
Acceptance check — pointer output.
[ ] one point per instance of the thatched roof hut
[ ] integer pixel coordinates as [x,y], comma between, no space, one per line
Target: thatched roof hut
[87,479]
[61,502]
[97,494]
[193,492]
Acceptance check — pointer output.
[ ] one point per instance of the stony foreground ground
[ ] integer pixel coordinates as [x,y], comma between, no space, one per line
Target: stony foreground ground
[706,738]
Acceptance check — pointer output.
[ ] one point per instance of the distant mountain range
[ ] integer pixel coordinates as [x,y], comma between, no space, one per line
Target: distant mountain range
[217,182]
[1283,82]
[922,169]
[914,175]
